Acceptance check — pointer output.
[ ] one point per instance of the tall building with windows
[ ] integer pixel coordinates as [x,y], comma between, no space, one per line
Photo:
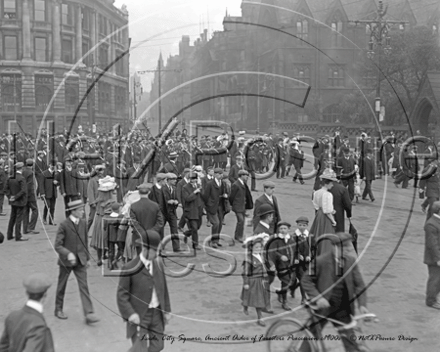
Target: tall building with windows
[50,53]
[315,42]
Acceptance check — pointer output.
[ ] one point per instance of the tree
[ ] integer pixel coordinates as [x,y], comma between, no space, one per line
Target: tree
[414,53]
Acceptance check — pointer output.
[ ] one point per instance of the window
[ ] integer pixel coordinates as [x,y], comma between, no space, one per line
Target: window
[331,113]
[103,56]
[369,79]
[10,48]
[336,77]
[119,63]
[67,14]
[302,30]
[102,25]
[40,10]
[302,73]
[104,97]
[41,49]
[87,58]
[71,96]
[67,51]
[336,33]
[43,95]
[11,92]
[9,9]
[85,19]
[120,93]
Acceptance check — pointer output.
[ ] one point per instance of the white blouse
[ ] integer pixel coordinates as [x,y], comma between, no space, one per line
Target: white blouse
[323,199]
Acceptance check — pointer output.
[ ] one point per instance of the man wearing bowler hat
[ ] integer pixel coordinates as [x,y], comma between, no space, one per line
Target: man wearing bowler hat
[142,297]
[26,329]
[71,244]
[267,198]
[16,191]
[193,209]
[266,215]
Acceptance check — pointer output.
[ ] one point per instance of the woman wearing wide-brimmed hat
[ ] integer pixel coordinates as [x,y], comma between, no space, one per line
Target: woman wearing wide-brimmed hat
[324,222]
[255,291]
[106,197]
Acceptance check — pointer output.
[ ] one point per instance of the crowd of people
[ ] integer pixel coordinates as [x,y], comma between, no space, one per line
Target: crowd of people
[205,177]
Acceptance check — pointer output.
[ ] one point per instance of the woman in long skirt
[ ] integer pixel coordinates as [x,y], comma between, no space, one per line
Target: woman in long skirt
[324,222]
[106,196]
[255,292]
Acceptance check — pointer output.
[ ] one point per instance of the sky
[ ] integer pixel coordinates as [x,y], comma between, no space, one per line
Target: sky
[157,26]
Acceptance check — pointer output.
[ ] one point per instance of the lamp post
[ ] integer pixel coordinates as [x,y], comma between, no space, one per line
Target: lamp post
[379,39]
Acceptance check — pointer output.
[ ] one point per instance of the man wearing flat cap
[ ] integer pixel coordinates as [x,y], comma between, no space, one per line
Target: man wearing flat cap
[156,191]
[142,297]
[49,192]
[179,193]
[16,191]
[170,204]
[193,208]
[241,200]
[146,214]
[26,329]
[31,204]
[71,244]
[214,195]
[267,198]
[333,282]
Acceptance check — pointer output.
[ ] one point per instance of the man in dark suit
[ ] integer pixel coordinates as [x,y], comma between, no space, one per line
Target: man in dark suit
[3,178]
[179,193]
[71,244]
[347,170]
[171,166]
[332,283]
[142,297]
[40,166]
[214,194]
[267,198]
[281,168]
[69,183]
[31,205]
[170,204]
[266,215]
[146,214]
[341,204]
[369,175]
[156,190]
[241,200]
[233,172]
[432,256]
[26,329]
[48,191]
[430,185]
[193,209]
[16,191]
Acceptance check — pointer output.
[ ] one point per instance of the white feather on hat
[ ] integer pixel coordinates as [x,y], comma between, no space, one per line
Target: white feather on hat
[107,184]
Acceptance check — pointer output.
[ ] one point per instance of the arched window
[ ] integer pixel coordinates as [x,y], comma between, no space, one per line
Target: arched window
[71,99]
[336,34]
[9,99]
[302,30]
[43,95]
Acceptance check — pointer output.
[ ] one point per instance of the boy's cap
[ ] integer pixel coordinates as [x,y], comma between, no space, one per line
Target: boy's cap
[302,219]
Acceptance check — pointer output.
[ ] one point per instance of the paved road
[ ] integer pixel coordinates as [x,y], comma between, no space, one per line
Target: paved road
[203,304]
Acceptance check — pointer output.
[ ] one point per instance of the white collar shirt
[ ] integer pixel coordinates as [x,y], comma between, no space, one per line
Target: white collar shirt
[154,303]
[74,219]
[35,305]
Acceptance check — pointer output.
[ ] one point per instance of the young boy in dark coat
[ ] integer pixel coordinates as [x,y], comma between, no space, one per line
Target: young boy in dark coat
[115,230]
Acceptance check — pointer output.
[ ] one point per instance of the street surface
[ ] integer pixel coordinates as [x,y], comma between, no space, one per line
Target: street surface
[391,239]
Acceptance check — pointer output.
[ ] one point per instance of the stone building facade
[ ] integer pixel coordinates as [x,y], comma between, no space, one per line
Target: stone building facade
[315,42]
[46,68]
